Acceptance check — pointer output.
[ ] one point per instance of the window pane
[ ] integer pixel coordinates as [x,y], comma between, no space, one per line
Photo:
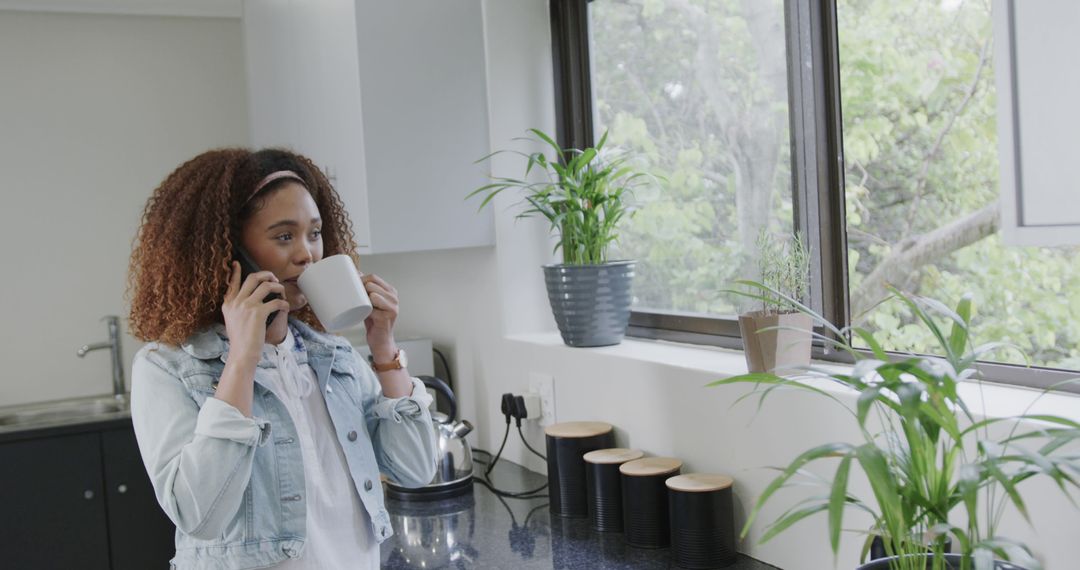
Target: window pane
[920,147]
[699,89]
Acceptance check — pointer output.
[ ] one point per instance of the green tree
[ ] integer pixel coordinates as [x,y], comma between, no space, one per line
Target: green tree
[699,88]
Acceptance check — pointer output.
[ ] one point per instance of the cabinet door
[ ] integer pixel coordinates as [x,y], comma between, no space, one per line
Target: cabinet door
[304,91]
[271,63]
[389,99]
[53,504]
[423,81]
[140,535]
[328,105]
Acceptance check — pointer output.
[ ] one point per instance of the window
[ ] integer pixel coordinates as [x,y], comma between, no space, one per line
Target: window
[699,90]
[920,143]
[738,105]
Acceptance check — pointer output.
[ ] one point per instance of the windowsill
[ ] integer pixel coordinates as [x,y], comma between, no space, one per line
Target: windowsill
[1000,400]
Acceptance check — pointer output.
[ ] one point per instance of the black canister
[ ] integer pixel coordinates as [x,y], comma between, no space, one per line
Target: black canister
[603,486]
[567,442]
[645,500]
[702,520]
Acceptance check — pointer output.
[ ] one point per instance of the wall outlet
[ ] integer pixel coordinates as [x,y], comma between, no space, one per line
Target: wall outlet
[543,385]
[532,407]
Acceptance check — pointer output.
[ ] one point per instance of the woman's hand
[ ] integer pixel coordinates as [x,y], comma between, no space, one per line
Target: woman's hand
[380,323]
[245,312]
[380,335]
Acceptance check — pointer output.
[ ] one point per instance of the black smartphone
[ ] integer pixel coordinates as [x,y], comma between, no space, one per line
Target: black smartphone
[247,267]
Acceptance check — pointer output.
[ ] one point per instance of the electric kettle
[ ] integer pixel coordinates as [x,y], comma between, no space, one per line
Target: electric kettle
[453,475]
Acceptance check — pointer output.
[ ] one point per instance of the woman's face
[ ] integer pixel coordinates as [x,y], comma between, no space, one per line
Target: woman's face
[285,236]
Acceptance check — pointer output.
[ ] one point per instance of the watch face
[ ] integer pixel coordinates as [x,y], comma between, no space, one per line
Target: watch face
[402,359]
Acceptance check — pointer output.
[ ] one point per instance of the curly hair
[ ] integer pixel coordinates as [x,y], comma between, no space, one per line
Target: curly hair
[181,257]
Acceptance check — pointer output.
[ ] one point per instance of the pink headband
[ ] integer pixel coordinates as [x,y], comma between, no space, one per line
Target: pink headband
[276,176]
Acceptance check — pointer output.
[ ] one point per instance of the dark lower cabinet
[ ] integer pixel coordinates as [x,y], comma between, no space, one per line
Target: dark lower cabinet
[140,535]
[80,501]
[52,505]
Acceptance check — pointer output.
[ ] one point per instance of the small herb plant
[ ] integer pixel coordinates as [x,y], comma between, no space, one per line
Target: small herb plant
[785,268]
[584,195]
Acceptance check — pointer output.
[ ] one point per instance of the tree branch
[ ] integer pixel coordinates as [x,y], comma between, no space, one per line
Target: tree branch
[924,172]
[900,267]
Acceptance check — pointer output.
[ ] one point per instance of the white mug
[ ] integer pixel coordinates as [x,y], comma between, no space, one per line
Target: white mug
[335,292]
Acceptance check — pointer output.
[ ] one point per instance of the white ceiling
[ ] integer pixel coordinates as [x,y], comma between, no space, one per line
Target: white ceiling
[210,8]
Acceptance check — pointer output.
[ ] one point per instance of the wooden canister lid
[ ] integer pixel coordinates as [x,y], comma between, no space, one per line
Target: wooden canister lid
[577,429]
[650,466]
[612,456]
[699,482]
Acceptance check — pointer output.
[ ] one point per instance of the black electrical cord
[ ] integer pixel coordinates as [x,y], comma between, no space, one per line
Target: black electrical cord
[529,516]
[499,454]
[530,494]
[485,481]
[513,519]
[477,459]
[446,366]
[523,440]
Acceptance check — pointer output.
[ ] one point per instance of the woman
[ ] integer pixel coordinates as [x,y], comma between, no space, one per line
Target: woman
[264,442]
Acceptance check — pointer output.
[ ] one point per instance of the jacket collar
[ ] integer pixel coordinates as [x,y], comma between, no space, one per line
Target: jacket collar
[212,342]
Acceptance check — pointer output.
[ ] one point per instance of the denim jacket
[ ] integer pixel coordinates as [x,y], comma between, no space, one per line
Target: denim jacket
[233,485]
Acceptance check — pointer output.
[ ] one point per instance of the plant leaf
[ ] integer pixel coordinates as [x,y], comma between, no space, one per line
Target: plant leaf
[837,499]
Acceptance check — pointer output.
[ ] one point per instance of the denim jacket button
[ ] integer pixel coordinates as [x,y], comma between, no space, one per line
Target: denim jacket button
[368,485]
[352,435]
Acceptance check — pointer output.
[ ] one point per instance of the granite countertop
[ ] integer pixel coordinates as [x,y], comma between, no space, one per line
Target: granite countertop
[483,530]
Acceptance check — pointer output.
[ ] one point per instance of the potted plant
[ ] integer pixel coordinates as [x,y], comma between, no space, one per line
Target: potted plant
[925,454]
[583,194]
[777,337]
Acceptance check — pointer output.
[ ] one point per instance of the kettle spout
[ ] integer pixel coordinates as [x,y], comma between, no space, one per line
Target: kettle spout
[462,428]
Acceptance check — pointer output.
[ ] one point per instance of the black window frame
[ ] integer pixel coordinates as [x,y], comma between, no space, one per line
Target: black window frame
[816,131]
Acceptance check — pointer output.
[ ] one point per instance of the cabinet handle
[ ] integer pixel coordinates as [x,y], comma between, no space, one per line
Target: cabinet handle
[88,494]
[121,489]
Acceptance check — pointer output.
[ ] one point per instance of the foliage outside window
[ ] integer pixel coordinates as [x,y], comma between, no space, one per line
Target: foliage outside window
[920,143]
[701,88]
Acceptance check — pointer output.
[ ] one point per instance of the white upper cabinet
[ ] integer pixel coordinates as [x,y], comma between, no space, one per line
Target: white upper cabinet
[1035,42]
[389,98]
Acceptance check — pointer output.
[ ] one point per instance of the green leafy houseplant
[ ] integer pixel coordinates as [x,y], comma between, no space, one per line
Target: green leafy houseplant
[584,195]
[924,452]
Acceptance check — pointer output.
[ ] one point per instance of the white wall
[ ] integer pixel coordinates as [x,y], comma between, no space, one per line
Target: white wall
[95,110]
[489,310]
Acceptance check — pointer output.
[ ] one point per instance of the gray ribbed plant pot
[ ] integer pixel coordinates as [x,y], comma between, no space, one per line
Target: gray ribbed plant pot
[591,303]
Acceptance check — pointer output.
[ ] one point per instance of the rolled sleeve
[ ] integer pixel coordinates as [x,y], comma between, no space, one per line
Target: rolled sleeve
[199,463]
[401,432]
[411,406]
[221,420]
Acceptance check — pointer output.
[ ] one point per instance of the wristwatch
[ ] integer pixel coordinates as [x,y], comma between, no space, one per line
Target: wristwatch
[399,362]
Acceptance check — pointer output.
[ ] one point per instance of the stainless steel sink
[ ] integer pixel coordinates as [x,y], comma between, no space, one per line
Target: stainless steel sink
[62,412]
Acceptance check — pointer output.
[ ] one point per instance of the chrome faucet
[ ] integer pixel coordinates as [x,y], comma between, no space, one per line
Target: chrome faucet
[117,361]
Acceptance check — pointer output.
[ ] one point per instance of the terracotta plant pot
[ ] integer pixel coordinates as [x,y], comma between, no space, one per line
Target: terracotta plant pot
[777,350]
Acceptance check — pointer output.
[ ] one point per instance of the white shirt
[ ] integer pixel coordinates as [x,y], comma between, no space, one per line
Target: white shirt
[339,533]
